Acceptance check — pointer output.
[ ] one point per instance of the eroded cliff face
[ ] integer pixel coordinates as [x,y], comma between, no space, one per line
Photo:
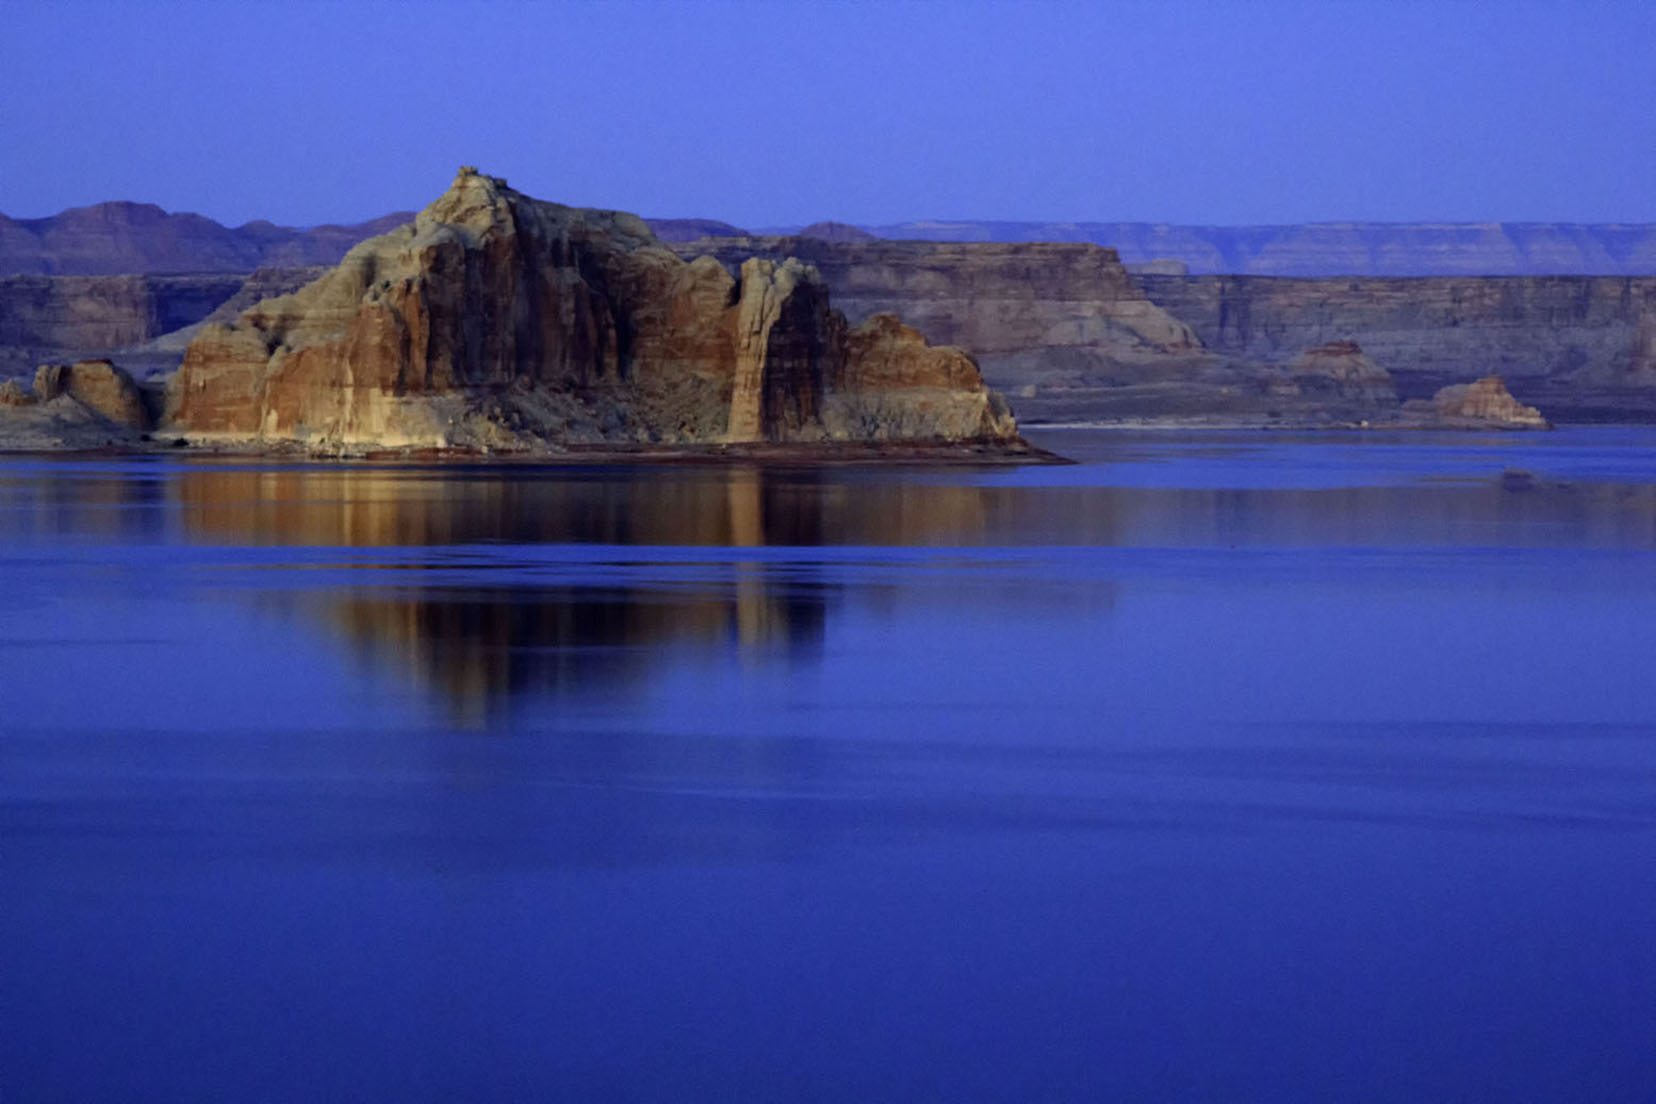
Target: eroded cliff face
[70,318]
[1056,323]
[498,321]
[1072,335]
[1582,349]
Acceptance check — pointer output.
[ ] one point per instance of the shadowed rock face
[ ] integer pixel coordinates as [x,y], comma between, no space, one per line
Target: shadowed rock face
[98,385]
[68,318]
[1342,371]
[499,321]
[86,405]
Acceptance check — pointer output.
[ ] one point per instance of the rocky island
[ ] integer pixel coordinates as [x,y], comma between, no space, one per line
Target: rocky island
[503,324]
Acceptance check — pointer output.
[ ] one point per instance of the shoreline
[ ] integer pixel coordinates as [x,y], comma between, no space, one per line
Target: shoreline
[1177,425]
[826,454]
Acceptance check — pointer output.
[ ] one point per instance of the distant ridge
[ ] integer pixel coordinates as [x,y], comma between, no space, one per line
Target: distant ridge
[693,229]
[120,238]
[1338,248]
[130,238]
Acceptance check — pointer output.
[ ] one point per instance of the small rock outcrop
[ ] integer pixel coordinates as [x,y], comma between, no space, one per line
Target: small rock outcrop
[497,321]
[1484,403]
[1339,369]
[90,404]
[12,393]
[98,385]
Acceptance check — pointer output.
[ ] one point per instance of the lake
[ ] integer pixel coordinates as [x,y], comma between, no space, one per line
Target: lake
[1217,766]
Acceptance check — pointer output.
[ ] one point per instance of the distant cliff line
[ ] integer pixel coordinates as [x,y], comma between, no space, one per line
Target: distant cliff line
[121,238]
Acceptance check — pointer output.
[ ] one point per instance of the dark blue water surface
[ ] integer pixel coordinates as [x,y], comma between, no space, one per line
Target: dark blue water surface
[1217,767]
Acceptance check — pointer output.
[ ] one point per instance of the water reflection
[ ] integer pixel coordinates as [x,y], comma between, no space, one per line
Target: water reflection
[485,584]
[495,636]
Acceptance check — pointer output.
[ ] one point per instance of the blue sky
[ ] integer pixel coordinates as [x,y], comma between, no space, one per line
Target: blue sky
[1225,113]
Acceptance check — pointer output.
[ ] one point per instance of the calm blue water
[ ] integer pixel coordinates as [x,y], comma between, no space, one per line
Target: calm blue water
[1216,767]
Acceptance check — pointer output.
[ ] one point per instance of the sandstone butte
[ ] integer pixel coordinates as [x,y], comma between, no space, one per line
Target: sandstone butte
[1480,403]
[496,322]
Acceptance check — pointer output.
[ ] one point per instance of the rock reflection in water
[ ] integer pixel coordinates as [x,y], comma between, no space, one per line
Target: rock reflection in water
[502,633]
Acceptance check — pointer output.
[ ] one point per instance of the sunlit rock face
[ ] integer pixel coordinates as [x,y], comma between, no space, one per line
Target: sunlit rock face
[1485,402]
[502,322]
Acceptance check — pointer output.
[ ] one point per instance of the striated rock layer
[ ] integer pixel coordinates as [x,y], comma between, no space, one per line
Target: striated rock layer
[68,318]
[1583,349]
[1073,335]
[498,321]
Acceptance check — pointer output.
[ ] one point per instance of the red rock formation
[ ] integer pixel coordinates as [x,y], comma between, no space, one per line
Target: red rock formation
[99,386]
[495,320]
[1486,402]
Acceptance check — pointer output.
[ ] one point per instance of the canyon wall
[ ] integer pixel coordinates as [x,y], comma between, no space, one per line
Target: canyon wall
[72,317]
[143,320]
[1072,335]
[1583,349]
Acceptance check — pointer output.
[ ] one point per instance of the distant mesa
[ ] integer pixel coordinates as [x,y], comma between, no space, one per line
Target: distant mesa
[1160,266]
[120,238]
[693,229]
[1336,248]
[837,232]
